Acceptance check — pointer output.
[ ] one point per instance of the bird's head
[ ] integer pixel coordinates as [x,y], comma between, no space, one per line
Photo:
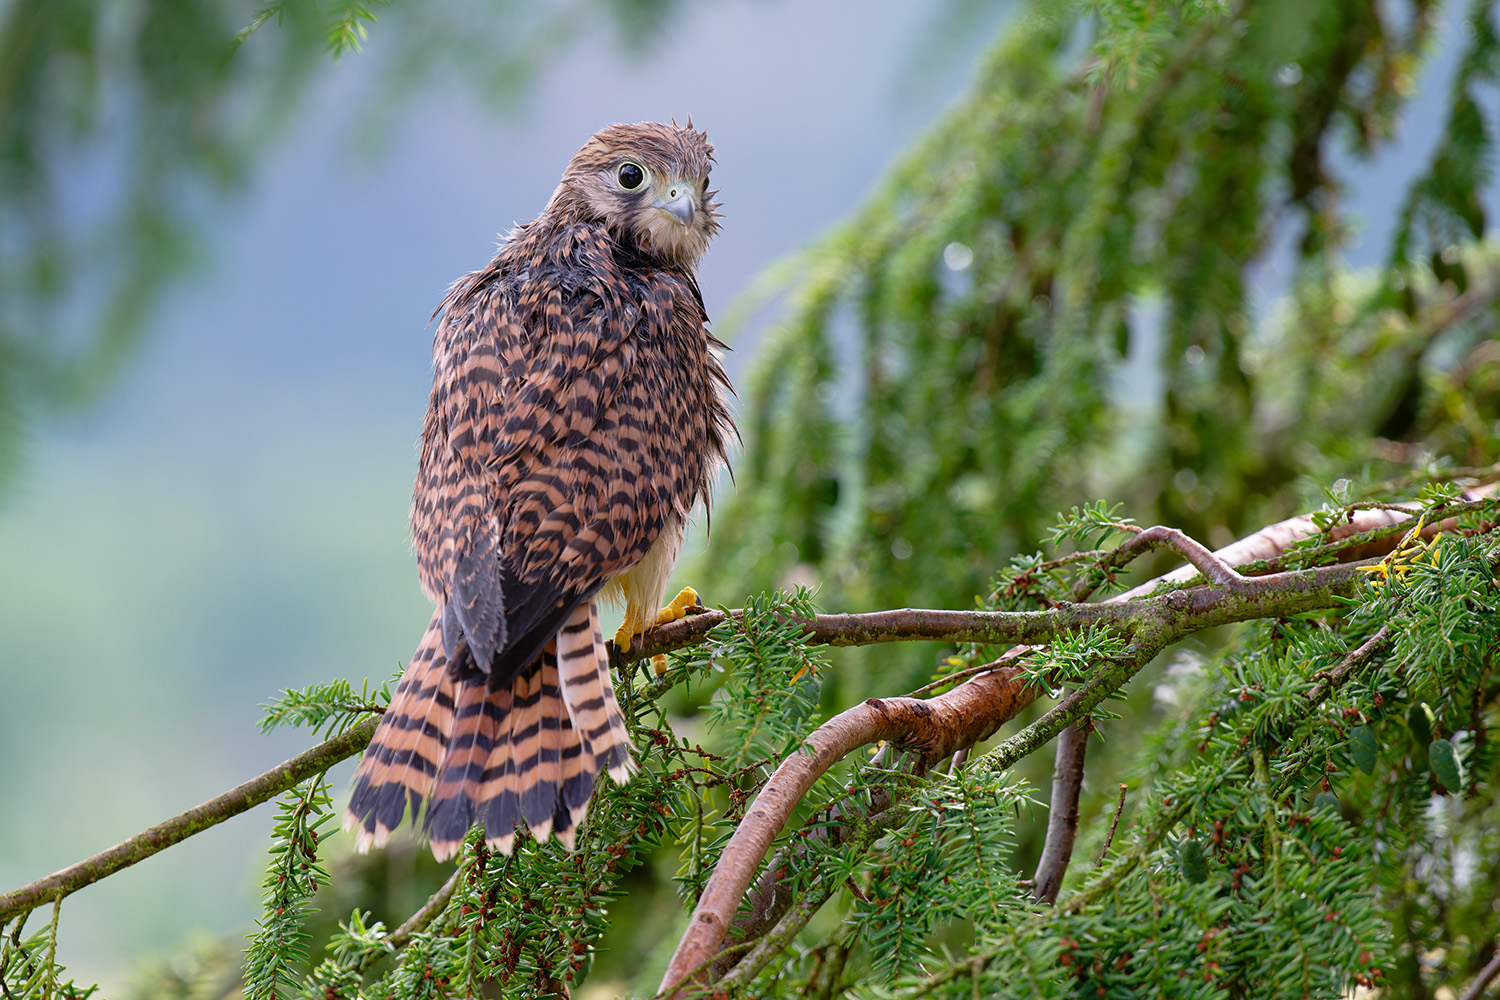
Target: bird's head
[647,182]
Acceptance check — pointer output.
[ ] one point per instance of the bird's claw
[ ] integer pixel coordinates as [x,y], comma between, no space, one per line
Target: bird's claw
[678,608]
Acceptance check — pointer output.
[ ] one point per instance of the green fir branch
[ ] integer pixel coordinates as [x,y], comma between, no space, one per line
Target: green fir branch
[329,708]
[279,949]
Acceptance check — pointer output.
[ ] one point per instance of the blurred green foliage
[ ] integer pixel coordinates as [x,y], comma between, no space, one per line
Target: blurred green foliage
[1049,299]
[156,93]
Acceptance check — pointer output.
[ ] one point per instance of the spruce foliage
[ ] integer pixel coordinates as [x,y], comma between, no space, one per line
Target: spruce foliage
[1046,300]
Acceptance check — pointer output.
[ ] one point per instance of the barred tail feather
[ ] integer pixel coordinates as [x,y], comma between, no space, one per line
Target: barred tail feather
[401,764]
[583,668]
[577,772]
[529,753]
[481,723]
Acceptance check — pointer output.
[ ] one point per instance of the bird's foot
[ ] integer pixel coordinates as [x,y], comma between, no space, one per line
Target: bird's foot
[628,630]
[677,609]
[686,599]
[635,623]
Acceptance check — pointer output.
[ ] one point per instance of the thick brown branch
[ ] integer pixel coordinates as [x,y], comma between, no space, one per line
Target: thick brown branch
[233,802]
[935,728]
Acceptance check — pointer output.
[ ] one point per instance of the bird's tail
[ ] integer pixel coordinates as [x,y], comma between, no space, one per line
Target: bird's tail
[401,763]
[530,751]
[583,667]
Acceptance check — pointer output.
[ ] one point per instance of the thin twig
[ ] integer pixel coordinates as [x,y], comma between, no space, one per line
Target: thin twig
[415,924]
[13,949]
[1356,657]
[953,678]
[1366,534]
[216,810]
[1485,977]
[1109,838]
[1214,569]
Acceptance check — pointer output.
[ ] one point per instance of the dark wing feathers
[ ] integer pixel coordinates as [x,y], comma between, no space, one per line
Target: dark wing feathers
[476,601]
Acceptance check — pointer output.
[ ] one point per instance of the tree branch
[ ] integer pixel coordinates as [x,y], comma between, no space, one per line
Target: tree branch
[969,713]
[233,802]
[1364,534]
[934,728]
[1486,975]
[1062,814]
[1215,568]
[1030,628]
[415,924]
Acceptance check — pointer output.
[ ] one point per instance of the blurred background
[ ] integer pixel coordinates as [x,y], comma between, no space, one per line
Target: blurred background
[217,260]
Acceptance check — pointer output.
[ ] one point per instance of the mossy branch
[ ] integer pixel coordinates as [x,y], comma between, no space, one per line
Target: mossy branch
[1366,534]
[239,799]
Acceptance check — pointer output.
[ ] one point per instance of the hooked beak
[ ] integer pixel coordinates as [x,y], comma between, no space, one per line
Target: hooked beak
[679,202]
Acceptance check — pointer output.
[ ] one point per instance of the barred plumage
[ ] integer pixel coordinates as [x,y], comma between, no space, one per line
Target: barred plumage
[577,415]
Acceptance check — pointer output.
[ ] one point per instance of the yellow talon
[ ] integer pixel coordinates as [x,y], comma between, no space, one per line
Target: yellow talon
[628,628]
[636,623]
[686,598]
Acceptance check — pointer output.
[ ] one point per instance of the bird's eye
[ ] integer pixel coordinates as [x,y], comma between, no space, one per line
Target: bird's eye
[630,176]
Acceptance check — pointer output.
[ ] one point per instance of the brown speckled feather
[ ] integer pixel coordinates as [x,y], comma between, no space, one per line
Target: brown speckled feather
[577,415]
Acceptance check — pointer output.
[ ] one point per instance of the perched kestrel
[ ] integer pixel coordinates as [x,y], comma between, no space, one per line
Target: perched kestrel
[577,415]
